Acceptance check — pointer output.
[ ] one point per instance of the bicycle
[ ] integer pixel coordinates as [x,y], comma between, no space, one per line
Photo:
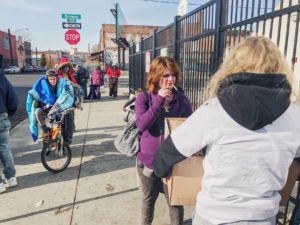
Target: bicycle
[56,154]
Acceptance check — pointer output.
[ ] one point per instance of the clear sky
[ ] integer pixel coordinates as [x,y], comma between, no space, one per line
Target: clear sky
[44,21]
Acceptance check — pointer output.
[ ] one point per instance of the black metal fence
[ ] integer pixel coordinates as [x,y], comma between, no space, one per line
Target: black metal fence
[199,40]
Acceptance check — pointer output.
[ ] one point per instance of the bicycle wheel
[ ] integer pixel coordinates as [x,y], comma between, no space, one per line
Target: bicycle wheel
[55,158]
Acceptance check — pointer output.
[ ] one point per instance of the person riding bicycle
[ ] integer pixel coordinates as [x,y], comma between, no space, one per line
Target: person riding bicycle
[49,96]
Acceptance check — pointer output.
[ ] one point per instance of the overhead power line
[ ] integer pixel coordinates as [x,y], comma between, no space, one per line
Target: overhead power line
[168,2]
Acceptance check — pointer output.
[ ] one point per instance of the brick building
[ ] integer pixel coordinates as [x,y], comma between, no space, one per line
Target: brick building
[109,48]
[5,49]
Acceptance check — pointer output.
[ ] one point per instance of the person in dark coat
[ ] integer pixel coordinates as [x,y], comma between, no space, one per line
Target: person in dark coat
[161,100]
[82,78]
[8,107]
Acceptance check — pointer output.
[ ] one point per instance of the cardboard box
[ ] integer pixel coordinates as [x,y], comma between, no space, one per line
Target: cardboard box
[185,180]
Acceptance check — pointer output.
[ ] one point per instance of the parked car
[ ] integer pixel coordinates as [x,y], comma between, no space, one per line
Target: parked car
[27,69]
[12,69]
[42,69]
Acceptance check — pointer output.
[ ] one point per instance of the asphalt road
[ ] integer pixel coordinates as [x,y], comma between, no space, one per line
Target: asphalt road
[22,84]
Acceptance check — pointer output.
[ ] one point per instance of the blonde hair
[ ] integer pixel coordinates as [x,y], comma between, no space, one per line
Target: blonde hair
[157,69]
[257,55]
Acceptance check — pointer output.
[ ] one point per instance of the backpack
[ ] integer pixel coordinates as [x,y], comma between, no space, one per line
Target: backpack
[82,76]
[128,142]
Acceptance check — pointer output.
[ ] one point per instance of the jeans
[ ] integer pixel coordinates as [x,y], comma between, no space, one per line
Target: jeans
[197,220]
[40,115]
[5,151]
[68,127]
[113,87]
[151,187]
[297,216]
[83,86]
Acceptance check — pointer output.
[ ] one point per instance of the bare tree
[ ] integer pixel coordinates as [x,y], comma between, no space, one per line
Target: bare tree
[25,35]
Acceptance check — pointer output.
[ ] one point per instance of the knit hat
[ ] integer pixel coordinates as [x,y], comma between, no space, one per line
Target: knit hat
[64,62]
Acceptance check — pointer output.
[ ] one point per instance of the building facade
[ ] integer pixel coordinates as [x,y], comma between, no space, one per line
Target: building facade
[8,52]
[132,33]
[27,49]
[21,52]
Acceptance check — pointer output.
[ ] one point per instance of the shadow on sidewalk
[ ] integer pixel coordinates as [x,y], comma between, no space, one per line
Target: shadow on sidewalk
[67,206]
[30,154]
[100,128]
[99,158]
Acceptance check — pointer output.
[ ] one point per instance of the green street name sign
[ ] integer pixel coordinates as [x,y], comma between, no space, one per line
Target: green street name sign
[71,20]
[71,16]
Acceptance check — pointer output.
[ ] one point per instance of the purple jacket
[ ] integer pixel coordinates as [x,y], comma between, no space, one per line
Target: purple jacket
[149,121]
[97,78]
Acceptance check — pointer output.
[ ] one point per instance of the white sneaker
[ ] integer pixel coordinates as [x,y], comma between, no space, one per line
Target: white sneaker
[12,182]
[4,180]
[2,188]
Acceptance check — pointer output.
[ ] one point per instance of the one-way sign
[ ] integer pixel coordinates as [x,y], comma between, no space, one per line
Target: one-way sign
[71,25]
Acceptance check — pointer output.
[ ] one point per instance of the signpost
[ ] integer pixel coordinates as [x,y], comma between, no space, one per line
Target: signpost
[71,25]
[72,37]
[71,16]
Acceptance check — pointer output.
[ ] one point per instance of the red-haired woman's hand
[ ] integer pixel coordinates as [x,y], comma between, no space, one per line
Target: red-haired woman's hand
[165,92]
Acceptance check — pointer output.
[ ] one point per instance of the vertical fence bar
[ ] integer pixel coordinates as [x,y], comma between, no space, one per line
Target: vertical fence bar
[296,39]
[142,71]
[175,38]
[272,20]
[279,24]
[154,44]
[221,6]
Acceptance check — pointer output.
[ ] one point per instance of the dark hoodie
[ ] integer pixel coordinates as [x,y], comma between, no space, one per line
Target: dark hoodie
[8,97]
[252,100]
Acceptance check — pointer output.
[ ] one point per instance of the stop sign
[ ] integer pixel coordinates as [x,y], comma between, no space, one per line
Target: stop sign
[72,37]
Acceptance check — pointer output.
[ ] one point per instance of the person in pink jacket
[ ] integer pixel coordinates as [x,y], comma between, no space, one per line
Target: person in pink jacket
[97,80]
[113,74]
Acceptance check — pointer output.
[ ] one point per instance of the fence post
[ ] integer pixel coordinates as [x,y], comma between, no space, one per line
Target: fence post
[130,68]
[134,67]
[175,38]
[221,6]
[154,44]
[142,64]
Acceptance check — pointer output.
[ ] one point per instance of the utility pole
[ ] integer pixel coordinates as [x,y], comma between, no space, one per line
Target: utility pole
[36,62]
[117,33]
[10,49]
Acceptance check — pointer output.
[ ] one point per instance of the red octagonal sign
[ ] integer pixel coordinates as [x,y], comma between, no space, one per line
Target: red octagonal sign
[72,37]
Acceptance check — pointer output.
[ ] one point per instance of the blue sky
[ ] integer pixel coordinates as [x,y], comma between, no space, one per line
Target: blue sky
[43,18]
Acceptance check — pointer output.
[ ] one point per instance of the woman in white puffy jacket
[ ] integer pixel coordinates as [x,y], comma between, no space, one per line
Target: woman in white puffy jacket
[250,128]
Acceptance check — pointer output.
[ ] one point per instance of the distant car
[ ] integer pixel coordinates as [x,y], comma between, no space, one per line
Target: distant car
[35,68]
[28,69]
[12,69]
[42,69]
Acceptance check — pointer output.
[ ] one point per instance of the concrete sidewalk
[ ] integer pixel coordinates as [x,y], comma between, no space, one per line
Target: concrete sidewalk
[99,187]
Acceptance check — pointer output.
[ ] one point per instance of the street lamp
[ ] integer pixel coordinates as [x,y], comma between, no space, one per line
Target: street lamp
[10,45]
